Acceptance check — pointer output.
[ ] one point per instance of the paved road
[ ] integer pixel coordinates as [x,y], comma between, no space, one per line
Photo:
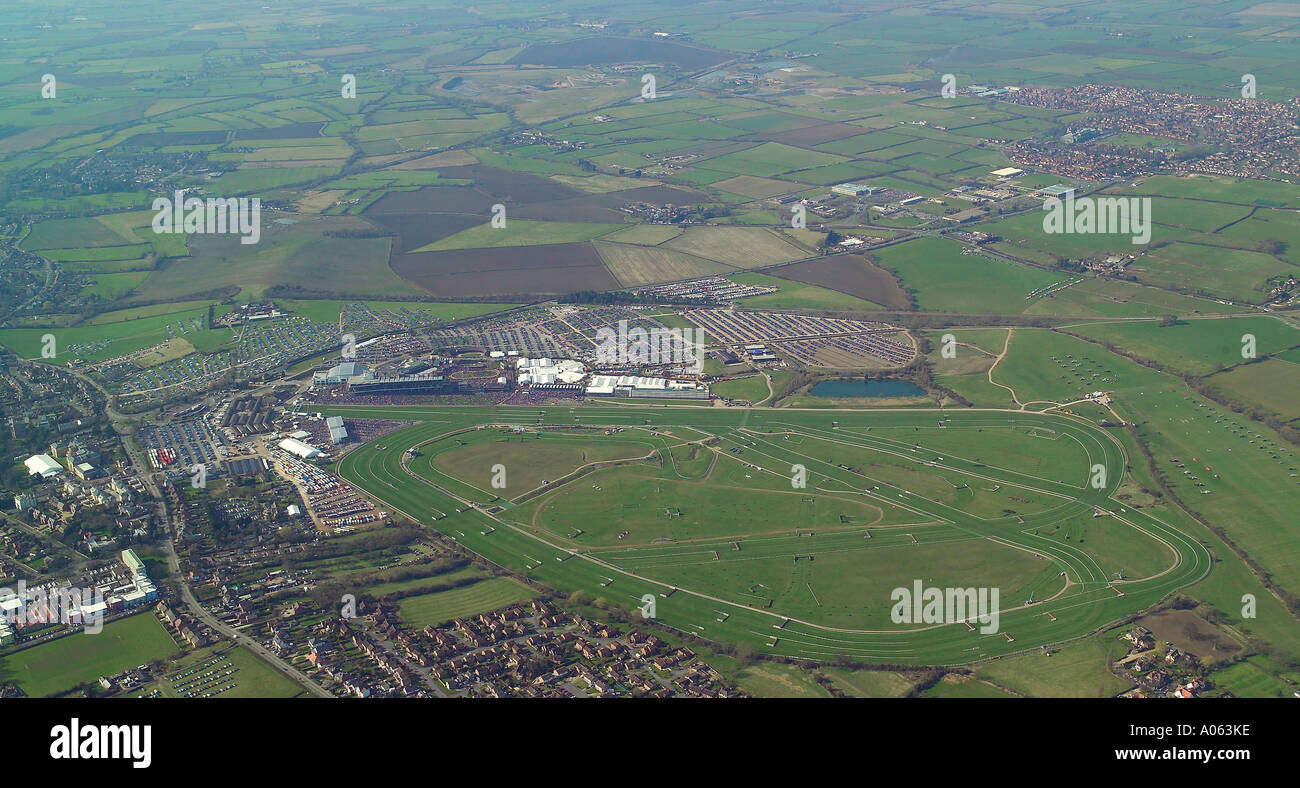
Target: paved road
[146,474]
[289,671]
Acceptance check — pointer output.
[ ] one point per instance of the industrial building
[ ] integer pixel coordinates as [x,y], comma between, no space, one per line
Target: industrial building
[852,189]
[1060,191]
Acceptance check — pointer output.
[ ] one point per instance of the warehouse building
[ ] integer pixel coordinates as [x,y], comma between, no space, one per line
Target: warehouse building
[852,189]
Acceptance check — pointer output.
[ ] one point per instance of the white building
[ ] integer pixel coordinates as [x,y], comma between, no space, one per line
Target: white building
[546,370]
[341,373]
[43,465]
[852,189]
[338,433]
[607,384]
[298,448]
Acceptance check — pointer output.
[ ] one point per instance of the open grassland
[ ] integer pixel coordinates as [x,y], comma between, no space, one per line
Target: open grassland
[481,597]
[62,664]
[1078,670]
[1197,347]
[946,280]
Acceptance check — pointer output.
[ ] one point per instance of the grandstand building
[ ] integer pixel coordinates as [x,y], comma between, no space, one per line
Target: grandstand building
[341,373]
[641,387]
[408,384]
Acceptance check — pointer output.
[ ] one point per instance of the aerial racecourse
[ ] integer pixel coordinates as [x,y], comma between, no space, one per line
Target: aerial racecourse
[799,532]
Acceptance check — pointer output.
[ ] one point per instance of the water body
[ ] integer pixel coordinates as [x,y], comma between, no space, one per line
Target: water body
[866,388]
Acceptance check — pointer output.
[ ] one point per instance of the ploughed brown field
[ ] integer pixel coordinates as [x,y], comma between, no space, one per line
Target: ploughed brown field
[413,230]
[848,273]
[554,269]
[420,217]
[816,135]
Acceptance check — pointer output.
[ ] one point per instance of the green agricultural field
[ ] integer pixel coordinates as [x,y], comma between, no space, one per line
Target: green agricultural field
[645,234]
[1197,347]
[1117,298]
[770,158]
[300,255]
[1234,274]
[1270,385]
[946,280]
